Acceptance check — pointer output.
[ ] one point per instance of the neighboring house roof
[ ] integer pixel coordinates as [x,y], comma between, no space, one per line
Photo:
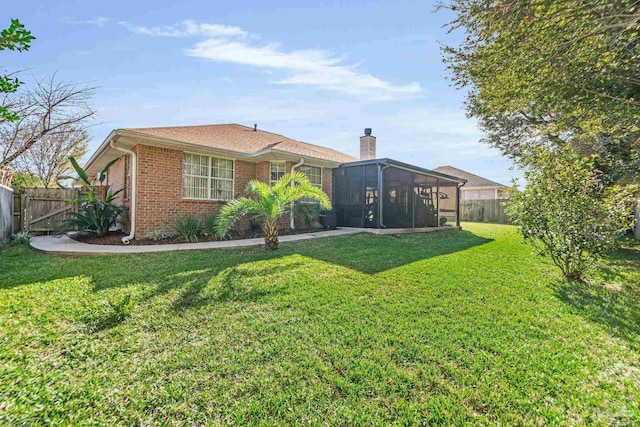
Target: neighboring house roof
[241,139]
[473,180]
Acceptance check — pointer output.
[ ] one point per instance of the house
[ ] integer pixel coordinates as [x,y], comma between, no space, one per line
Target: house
[169,172]
[477,187]
[195,169]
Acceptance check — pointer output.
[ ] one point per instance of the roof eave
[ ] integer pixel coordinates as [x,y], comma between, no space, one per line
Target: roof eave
[101,149]
[407,166]
[272,153]
[485,187]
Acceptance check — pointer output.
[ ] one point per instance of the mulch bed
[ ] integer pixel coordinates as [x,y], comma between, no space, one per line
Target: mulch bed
[115,238]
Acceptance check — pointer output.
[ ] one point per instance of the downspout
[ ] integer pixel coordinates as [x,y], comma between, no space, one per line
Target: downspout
[134,181]
[292,222]
[458,204]
[381,170]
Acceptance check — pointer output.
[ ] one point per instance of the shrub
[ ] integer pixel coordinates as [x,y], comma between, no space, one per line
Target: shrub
[109,313]
[158,234]
[568,213]
[306,215]
[21,238]
[255,224]
[95,216]
[122,309]
[209,224]
[189,227]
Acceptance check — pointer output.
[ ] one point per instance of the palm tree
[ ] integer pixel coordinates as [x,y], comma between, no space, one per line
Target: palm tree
[269,203]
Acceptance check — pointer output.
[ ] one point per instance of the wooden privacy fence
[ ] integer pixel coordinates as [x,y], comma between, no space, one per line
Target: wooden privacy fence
[6,201]
[483,211]
[39,210]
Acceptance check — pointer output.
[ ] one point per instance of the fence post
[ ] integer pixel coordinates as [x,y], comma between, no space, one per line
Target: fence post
[23,212]
[6,205]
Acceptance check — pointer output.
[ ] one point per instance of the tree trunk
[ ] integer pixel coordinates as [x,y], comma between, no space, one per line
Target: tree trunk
[271,235]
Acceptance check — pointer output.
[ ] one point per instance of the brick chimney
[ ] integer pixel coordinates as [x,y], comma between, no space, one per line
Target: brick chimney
[367,145]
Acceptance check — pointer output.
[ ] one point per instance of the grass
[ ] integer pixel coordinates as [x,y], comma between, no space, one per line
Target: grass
[436,328]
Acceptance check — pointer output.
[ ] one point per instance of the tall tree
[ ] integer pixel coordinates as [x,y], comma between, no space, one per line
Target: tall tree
[547,73]
[20,180]
[49,107]
[16,37]
[47,161]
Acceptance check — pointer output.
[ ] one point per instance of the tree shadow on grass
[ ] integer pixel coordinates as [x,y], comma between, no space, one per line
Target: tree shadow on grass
[364,253]
[617,309]
[229,285]
[371,254]
[626,257]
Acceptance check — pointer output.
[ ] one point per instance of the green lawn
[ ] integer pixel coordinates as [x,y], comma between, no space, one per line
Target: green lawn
[436,328]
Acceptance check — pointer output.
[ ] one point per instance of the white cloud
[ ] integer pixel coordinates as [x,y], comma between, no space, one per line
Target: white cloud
[305,67]
[311,67]
[99,21]
[186,28]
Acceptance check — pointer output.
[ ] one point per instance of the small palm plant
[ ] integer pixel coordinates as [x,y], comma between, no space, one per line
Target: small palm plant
[269,203]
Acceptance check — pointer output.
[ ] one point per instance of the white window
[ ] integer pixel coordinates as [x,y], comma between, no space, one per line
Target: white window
[277,171]
[205,177]
[314,174]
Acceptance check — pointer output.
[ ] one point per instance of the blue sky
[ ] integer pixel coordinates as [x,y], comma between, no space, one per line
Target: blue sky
[315,71]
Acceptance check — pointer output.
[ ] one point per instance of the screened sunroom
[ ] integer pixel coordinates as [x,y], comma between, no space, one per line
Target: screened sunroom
[385,193]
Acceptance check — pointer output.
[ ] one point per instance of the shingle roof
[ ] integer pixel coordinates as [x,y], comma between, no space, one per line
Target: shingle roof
[242,139]
[472,179]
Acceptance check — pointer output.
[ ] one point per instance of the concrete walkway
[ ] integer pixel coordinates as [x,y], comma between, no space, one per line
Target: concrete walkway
[65,245]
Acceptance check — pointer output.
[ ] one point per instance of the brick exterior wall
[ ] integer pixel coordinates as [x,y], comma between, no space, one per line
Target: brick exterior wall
[327,182]
[116,178]
[160,189]
[263,171]
[367,147]
[243,172]
[159,198]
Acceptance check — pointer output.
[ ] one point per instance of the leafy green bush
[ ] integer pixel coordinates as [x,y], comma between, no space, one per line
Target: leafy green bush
[189,227]
[21,238]
[568,213]
[255,224]
[158,234]
[306,215]
[209,224]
